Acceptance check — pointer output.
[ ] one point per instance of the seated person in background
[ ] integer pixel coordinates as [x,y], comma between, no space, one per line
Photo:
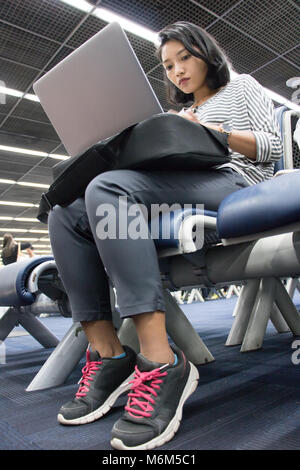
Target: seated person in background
[11,249]
[197,72]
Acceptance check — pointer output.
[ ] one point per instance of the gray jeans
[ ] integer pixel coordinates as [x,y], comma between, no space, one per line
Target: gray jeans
[85,262]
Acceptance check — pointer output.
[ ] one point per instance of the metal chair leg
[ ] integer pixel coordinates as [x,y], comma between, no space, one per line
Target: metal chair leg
[242,312]
[260,315]
[183,334]
[278,320]
[62,361]
[127,335]
[7,322]
[39,331]
[287,308]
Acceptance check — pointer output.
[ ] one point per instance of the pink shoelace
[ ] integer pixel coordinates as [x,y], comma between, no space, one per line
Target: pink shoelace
[88,370]
[140,394]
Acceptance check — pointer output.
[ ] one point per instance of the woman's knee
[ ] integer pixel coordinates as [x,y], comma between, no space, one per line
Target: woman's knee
[104,181]
[104,188]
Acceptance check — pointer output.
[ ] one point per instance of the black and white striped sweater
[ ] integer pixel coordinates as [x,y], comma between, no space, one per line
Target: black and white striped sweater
[244,104]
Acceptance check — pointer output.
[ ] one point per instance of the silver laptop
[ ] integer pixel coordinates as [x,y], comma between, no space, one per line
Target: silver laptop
[97,91]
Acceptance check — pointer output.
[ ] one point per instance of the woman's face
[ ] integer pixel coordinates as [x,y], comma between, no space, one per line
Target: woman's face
[185,71]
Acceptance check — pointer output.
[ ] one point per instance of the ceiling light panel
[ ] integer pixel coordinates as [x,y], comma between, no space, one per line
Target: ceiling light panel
[17,204]
[157,14]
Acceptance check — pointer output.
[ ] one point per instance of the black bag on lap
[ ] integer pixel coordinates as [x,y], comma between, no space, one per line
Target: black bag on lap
[162,142]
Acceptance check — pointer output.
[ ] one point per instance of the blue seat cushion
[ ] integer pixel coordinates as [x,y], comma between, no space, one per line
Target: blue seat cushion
[13,277]
[265,206]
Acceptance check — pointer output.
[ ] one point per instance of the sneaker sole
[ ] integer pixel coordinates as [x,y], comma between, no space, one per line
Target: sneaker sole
[102,410]
[174,424]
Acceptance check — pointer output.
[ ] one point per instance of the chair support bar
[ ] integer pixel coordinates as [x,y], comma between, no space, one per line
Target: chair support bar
[287,308]
[19,316]
[62,361]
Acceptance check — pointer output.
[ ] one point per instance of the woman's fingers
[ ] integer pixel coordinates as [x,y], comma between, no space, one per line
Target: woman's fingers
[185,113]
[188,115]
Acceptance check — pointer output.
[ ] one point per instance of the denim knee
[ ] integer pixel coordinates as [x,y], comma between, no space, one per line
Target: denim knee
[104,188]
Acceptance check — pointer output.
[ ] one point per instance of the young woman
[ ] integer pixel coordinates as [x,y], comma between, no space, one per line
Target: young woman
[197,74]
[10,249]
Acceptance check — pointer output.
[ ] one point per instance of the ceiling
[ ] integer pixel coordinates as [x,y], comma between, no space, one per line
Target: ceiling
[261,38]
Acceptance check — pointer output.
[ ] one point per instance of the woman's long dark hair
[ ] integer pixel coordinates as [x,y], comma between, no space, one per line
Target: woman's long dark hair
[192,37]
[8,245]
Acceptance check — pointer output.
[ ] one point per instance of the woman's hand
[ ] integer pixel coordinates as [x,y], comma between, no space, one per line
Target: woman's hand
[239,141]
[189,115]
[186,114]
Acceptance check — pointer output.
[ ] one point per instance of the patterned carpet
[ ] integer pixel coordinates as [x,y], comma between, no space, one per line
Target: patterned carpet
[246,401]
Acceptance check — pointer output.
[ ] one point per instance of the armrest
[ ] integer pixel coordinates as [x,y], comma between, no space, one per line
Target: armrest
[284,172]
[191,232]
[13,282]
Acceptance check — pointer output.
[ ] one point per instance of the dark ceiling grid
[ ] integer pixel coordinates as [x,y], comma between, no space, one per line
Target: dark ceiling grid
[31,50]
[248,57]
[13,211]
[50,18]
[25,127]
[244,34]
[159,90]
[87,29]
[217,7]
[25,141]
[22,194]
[20,159]
[148,14]
[10,102]
[18,76]
[277,73]
[293,56]
[157,72]
[31,110]
[37,34]
[156,15]
[55,53]
[278,30]
[41,172]
[12,124]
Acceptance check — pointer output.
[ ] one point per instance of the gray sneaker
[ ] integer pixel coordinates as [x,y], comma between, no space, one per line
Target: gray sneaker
[103,381]
[154,407]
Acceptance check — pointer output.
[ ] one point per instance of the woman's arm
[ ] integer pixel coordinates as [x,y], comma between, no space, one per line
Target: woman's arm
[262,142]
[243,142]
